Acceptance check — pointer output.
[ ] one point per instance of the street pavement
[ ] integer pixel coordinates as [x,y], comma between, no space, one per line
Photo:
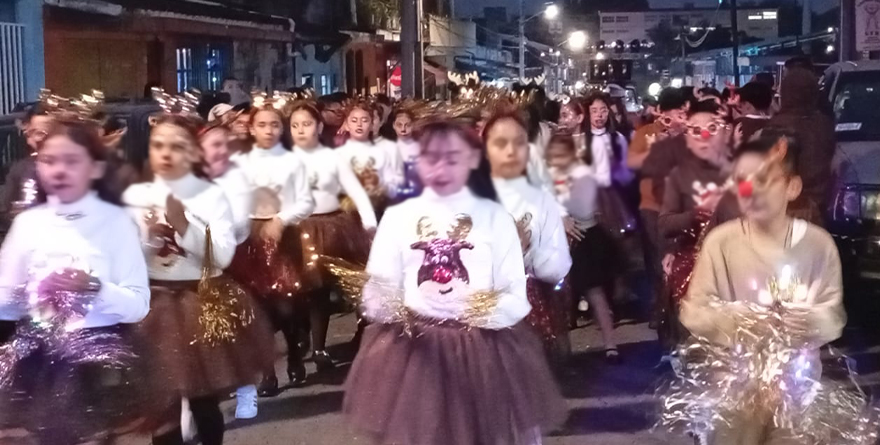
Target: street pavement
[609,404]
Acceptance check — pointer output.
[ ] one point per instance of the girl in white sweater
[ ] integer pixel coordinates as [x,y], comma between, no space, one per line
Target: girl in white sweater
[79,240]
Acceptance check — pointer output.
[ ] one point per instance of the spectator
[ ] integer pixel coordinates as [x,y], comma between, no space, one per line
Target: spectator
[800,115]
[663,133]
[236,91]
[333,115]
[755,100]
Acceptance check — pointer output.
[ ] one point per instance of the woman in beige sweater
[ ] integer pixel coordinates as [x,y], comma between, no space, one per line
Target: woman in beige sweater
[738,258]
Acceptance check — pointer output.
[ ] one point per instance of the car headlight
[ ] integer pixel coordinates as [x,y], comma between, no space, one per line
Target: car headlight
[870,204]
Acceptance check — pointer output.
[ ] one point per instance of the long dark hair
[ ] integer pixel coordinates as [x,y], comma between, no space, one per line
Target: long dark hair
[480,180]
[610,128]
[285,139]
[364,106]
[393,118]
[308,108]
[87,134]
[510,115]
[624,127]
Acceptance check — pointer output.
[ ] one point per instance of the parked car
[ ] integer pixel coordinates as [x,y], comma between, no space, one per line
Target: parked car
[135,115]
[853,91]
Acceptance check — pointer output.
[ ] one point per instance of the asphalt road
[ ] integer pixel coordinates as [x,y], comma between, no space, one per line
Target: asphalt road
[609,404]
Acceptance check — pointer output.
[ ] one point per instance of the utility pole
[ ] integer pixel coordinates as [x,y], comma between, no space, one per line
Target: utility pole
[522,40]
[806,23]
[847,33]
[412,72]
[734,30]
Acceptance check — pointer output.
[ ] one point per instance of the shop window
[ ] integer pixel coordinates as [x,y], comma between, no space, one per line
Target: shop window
[214,62]
[325,84]
[185,78]
[307,81]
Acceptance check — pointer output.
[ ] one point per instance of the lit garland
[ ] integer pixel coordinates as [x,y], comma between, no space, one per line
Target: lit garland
[766,372]
[55,316]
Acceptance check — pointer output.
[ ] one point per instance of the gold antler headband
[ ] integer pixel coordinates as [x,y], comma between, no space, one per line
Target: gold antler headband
[187,103]
[83,108]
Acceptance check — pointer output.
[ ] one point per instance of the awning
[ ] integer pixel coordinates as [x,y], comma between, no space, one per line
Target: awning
[203,11]
[439,73]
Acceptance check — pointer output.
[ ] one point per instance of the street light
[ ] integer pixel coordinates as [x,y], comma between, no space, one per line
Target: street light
[550,12]
[577,40]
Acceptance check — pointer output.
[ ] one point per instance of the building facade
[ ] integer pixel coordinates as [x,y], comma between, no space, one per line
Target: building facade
[629,26]
[122,48]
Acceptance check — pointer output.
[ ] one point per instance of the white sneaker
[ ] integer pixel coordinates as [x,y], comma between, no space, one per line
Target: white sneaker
[583,306]
[247,402]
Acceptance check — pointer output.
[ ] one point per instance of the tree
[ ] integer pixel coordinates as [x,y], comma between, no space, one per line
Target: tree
[665,39]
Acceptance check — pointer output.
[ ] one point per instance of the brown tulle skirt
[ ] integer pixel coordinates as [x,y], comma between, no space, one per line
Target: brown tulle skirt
[449,384]
[190,366]
[337,234]
[380,204]
[269,269]
[59,401]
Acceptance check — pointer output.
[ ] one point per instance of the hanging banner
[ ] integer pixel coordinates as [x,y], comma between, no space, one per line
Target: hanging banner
[867,25]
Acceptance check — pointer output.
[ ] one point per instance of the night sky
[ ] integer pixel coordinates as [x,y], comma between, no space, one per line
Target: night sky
[474,8]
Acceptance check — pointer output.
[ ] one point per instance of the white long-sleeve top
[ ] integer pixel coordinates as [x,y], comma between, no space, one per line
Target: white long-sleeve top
[383,156]
[536,168]
[282,171]
[408,149]
[490,255]
[576,191]
[537,216]
[205,205]
[328,177]
[602,153]
[89,234]
[238,191]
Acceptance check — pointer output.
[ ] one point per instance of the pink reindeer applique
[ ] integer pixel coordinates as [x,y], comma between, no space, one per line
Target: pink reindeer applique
[442,272]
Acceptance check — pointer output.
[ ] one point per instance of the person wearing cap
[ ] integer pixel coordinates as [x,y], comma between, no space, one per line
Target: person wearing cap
[755,100]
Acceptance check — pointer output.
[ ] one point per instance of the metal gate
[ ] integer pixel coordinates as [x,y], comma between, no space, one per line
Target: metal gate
[11,66]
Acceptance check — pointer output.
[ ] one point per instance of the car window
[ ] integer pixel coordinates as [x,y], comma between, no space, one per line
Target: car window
[856,113]
[13,148]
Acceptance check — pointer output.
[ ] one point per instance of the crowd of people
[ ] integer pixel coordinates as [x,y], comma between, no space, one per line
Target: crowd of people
[480,231]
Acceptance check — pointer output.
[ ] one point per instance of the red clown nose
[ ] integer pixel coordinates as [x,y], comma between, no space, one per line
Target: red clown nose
[746,188]
[442,275]
[706,135]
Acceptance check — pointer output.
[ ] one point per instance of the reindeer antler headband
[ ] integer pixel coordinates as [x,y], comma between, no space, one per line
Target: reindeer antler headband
[83,108]
[186,103]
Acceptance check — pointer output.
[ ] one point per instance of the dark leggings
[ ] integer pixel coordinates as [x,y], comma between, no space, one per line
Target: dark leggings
[284,316]
[319,317]
[208,419]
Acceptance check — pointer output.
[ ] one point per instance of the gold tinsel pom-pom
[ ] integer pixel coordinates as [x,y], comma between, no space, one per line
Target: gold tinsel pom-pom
[225,311]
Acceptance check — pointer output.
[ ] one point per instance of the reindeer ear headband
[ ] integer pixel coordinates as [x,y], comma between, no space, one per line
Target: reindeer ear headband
[537,81]
[184,104]
[280,101]
[83,108]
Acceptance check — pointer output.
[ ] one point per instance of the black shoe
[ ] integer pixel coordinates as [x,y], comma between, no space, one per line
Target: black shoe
[296,374]
[323,361]
[268,387]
